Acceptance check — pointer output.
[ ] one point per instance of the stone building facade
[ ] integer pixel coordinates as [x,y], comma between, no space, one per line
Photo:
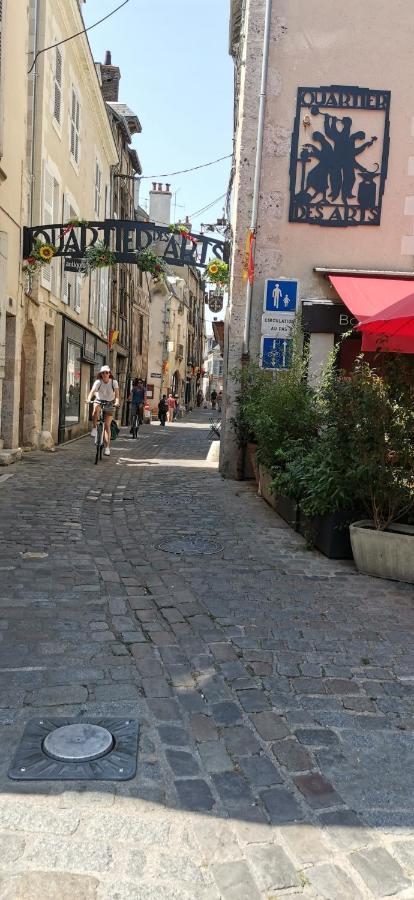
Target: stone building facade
[59,153]
[129,287]
[14,198]
[335,185]
[176,321]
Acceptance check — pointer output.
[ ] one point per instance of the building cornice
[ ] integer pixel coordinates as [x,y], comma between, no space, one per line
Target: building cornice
[236,16]
[73,22]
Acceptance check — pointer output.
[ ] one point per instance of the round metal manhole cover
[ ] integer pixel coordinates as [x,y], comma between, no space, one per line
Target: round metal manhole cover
[78,743]
[189,545]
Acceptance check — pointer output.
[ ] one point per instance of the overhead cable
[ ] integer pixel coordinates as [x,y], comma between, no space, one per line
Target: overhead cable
[193,168]
[78,33]
[205,208]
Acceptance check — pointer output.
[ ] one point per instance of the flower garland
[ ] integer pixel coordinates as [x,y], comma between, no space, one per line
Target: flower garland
[148,261]
[41,255]
[182,230]
[217,271]
[99,256]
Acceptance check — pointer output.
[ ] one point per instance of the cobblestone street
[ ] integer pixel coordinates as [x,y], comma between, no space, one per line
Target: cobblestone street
[273,687]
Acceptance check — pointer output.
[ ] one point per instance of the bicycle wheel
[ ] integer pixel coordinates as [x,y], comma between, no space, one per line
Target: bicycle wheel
[99,442]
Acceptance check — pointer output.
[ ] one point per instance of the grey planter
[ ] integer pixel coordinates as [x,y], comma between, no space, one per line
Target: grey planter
[329,533]
[384,554]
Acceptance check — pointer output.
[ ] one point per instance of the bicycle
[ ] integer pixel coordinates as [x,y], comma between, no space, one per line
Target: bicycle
[100,428]
[135,424]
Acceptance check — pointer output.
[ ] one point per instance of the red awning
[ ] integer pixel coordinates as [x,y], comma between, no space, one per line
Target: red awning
[374,299]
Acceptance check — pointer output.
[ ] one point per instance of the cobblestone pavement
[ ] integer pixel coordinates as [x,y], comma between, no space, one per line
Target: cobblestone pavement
[273,687]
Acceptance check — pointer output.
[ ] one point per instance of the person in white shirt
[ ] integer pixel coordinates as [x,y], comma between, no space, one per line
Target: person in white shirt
[104,388]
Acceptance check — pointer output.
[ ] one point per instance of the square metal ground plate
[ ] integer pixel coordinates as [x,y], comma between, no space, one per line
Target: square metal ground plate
[113,760]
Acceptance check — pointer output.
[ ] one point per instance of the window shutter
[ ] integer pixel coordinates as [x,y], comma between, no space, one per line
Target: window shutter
[77,131]
[78,293]
[92,297]
[98,180]
[65,282]
[58,86]
[48,212]
[103,304]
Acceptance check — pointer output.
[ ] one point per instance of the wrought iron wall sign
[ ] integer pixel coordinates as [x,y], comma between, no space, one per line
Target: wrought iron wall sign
[339,156]
[126,238]
[215,301]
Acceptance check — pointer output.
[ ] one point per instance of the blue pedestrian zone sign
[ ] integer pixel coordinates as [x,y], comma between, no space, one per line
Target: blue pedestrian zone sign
[276,353]
[280,295]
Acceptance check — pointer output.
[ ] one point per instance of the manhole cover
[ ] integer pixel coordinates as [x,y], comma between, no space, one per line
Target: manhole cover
[78,743]
[69,750]
[189,545]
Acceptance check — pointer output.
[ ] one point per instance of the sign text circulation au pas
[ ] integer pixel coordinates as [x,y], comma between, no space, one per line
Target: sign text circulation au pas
[127,239]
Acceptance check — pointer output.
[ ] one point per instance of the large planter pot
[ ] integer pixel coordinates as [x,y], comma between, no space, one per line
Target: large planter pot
[285,507]
[265,480]
[385,554]
[329,533]
[252,470]
[288,509]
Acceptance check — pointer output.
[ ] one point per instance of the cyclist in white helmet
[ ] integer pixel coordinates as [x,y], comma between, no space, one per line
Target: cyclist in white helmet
[106,388]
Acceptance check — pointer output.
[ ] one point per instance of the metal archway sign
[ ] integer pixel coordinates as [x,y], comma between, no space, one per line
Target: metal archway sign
[126,239]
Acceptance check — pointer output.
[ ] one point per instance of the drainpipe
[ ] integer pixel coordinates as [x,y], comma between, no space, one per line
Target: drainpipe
[34,112]
[258,163]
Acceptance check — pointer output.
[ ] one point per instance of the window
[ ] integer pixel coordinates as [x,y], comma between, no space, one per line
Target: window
[98,183]
[71,283]
[57,103]
[140,333]
[51,193]
[75,127]
[73,382]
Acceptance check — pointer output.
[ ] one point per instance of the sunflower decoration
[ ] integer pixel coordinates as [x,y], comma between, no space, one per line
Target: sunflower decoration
[42,254]
[217,271]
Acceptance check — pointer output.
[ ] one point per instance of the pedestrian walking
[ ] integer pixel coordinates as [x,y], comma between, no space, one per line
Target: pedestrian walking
[162,410]
[213,398]
[106,388]
[137,399]
[171,404]
[199,398]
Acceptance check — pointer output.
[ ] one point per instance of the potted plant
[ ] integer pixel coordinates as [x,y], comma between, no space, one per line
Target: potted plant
[381,420]
[217,272]
[148,261]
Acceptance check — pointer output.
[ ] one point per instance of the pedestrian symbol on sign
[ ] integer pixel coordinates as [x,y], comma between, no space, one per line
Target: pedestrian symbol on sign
[276,353]
[280,295]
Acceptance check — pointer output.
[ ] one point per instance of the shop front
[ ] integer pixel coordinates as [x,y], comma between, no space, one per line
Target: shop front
[83,353]
[325,322]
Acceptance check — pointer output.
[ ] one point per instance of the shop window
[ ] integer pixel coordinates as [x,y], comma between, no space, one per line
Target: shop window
[73,383]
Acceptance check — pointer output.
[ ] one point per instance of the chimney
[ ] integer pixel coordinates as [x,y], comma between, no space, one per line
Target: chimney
[111,76]
[160,204]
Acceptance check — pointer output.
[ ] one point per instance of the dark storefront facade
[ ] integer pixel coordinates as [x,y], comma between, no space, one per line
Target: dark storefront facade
[83,354]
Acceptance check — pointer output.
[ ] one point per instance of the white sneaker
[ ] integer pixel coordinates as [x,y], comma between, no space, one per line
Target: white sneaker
[107,451]
[93,432]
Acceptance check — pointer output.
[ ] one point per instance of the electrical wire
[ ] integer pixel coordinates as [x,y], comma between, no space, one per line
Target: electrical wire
[205,208]
[193,168]
[78,33]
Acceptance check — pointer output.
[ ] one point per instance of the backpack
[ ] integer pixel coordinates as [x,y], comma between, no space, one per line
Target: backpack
[114,430]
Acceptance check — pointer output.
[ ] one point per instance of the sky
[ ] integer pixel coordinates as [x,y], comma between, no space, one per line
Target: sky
[177,76]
